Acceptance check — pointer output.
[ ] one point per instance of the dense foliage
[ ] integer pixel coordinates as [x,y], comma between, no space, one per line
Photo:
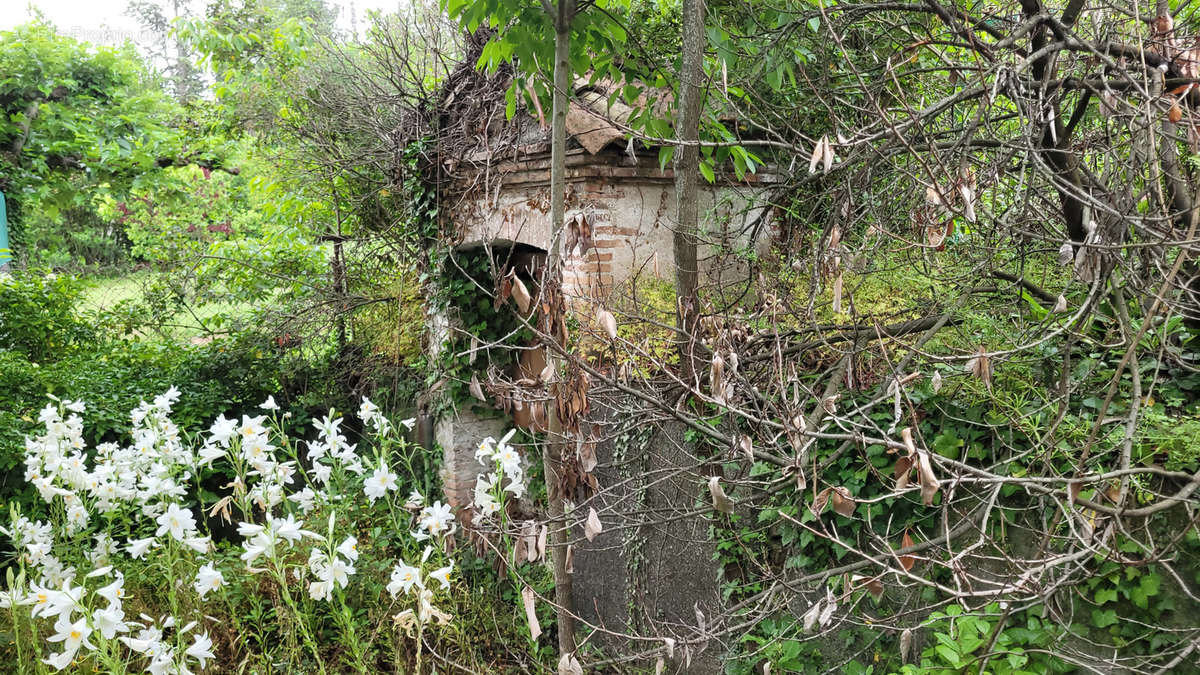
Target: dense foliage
[940,416]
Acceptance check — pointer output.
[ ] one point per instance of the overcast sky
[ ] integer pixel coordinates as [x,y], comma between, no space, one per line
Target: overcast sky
[104,21]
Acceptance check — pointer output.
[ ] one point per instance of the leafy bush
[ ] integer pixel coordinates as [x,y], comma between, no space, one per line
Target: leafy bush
[38,316]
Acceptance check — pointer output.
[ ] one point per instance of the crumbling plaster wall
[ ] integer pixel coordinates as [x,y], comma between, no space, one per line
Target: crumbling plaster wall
[631,210]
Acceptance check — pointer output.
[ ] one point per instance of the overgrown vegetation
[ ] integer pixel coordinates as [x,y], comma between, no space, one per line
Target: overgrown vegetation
[927,396]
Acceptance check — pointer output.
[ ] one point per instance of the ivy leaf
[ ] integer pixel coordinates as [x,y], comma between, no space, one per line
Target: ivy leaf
[1146,589]
[948,444]
[1105,595]
[1104,619]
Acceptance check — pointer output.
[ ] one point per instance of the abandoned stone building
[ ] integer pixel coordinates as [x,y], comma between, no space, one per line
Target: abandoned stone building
[621,205]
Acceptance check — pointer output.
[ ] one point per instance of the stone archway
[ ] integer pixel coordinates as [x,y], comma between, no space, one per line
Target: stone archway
[459,432]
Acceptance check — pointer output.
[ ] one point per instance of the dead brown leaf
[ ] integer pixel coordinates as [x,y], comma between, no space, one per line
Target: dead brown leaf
[843,502]
[907,561]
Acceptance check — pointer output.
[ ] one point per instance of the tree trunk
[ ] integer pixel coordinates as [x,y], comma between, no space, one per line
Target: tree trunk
[556,441]
[687,170]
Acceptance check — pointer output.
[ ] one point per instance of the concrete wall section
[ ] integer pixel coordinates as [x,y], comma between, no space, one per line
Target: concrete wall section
[652,568]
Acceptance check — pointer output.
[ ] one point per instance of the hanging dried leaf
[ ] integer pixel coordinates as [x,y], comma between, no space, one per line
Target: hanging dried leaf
[475,389]
[587,233]
[669,643]
[1087,261]
[902,471]
[906,637]
[935,236]
[1073,490]
[906,561]
[828,157]
[716,377]
[920,458]
[569,665]
[572,237]
[936,381]
[505,291]
[1113,494]
[570,559]
[829,404]
[521,295]
[592,526]
[809,620]
[968,196]
[1060,305]
[981,367]
[929,481]
[827,612]
[795,433]
[521,549]
[608,322]
[587,456]
[659,666]
[527,598]
[818,154]
[531,538]
[747,446]
[837,294]
[821,500]
[1066,253]
[932,196]
[537,411]
[843,502]
[873,585]
[721,502]
[547,375]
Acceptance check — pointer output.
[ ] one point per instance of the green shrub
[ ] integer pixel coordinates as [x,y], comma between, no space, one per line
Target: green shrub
[38,316]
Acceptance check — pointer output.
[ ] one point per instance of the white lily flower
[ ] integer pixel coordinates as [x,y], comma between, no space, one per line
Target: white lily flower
[379,483]
[73,636]
[208,578]
[349,549]
[177,521]
[200,649]
[138,547]
[442,575]
[404,578]
[109,621]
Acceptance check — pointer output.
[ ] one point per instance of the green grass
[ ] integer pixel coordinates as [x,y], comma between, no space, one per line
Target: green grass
[108,292]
